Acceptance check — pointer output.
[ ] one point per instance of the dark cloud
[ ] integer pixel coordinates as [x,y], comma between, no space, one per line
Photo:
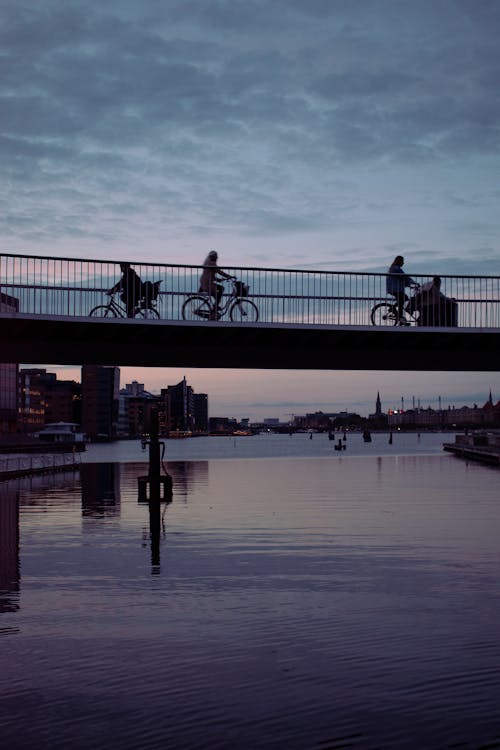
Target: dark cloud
[234,115]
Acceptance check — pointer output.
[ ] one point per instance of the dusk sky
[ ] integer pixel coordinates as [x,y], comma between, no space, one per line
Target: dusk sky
[314,134]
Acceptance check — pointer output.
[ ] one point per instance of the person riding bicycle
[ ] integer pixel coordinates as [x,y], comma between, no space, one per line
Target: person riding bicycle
[396,283]
[131,288]
[210,275]
[435,308]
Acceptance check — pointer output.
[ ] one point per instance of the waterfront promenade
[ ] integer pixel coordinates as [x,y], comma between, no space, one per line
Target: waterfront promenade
[15,465]
[480,446]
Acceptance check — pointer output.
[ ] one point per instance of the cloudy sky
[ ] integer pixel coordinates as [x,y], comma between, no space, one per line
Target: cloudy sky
[318,134]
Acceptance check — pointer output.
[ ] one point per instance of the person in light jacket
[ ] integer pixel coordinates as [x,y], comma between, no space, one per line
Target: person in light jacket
[211,273]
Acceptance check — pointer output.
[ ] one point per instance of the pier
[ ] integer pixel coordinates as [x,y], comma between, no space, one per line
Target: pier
[12,467]
[482,446]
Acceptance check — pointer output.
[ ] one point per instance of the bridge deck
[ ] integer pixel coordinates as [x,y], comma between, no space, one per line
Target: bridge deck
[47,339]
[306,319]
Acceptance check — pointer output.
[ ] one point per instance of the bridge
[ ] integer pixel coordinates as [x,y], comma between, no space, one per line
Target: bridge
[307,320]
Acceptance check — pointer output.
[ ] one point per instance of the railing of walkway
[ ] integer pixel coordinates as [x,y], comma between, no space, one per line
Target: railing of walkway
[38,464]
[68,287]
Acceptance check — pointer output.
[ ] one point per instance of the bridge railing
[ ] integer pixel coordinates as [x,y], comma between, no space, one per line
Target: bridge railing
[62,287]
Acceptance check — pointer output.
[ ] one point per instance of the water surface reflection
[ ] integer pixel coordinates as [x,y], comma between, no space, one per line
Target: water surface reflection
[298,603]
[9,550]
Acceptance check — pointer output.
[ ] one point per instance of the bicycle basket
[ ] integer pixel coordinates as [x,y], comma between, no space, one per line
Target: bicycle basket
[240,289]
[150,292]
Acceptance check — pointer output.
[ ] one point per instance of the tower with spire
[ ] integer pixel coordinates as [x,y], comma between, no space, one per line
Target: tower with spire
[378,420]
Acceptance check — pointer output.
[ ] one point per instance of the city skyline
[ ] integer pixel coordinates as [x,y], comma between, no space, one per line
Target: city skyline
[320,135]
[224,405]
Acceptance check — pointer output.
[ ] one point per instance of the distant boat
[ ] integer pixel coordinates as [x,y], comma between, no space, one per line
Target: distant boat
[180,434]
[63,433]
[367,436]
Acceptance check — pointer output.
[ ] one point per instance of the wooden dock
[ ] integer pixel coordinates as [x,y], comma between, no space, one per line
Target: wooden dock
[481,446]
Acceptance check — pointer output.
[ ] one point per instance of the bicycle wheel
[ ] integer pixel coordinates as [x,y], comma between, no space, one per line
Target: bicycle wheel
[150,313]
[196,308]
[102,311]
[244,311]
[384,314]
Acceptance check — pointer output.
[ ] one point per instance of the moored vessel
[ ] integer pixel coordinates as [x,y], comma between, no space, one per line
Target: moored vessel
[63,434]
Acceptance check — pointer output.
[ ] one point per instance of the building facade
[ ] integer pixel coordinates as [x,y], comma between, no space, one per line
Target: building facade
[100,400]
[33,384]
[474,417]
[135,407]
[200,413]
[8,379]
[177,408]
[42,398]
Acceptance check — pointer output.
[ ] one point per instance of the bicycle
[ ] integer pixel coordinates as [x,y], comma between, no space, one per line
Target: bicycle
[240,309]
[145,308]
[387,314]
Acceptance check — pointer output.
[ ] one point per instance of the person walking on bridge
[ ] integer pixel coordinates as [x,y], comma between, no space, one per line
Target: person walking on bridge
[396,283]
[211,273]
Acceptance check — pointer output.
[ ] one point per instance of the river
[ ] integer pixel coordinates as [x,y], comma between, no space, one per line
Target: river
[294,597]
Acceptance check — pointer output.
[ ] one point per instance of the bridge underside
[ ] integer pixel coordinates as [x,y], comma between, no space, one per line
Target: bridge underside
[77,341]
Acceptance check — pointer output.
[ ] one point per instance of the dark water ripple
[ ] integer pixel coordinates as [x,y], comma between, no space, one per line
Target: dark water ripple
[322,605]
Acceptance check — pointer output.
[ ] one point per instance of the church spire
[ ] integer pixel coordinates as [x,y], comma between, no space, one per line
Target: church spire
[378,405]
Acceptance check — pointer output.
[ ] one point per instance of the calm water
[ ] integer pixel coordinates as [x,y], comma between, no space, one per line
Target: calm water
[299,445]
[300,598]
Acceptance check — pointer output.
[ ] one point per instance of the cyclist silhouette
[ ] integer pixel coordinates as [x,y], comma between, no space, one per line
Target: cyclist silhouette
[131,288]
[211,273]
[396,284]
